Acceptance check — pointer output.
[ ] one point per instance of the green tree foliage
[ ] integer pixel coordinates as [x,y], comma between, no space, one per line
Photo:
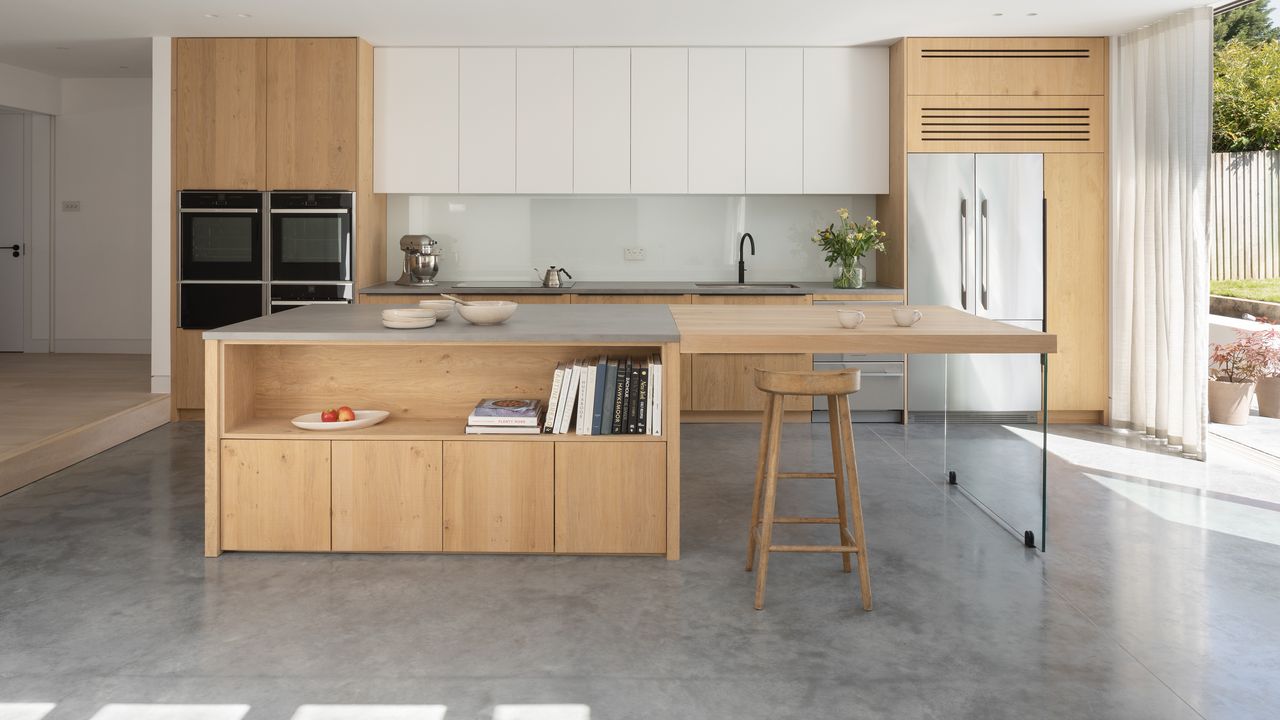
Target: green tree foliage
[1246,97]
[1250,24]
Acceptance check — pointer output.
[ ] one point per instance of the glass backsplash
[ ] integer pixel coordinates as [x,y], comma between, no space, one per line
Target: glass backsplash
[683,237]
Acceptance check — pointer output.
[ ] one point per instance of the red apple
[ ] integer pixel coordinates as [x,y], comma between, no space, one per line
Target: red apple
[329,415]
[346,414]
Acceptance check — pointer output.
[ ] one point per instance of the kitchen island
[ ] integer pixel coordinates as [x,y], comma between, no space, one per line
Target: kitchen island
[418,483]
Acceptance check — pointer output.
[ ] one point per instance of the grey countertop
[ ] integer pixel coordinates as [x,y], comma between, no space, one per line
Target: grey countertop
[622,287]
[533,324]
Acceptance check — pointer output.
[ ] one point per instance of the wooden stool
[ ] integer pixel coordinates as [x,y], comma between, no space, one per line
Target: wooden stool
[836,386]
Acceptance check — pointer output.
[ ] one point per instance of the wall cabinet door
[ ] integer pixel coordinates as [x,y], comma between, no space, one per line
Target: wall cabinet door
[544,120]
[601,120]
[275,495]
[846,121]
[659,120]
[611,497]
[775,121]
[415,120]
[220,113]
[499,497]
[387,496]
[312,127]
[487,120]
[717,120]
[1006,66]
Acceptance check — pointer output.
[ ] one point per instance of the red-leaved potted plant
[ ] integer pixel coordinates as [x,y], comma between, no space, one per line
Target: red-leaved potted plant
[1233,373]
[1268,386]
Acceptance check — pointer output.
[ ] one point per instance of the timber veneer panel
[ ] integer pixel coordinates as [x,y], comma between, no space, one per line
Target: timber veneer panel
[610,498]
[312,114]
[499,497]
[387,496]
[219,113]
[724,382]
[275,495]
[1006,66]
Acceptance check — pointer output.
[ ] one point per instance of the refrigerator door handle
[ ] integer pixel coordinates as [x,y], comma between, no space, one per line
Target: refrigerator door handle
[964,252]
[982,258]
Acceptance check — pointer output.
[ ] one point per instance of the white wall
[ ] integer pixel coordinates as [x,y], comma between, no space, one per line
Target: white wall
[685,237]
[23,89]
[161,212]
[102,254]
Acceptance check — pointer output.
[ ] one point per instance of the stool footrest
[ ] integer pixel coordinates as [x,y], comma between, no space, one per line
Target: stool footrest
[823,476]
[813,548]
[792,520]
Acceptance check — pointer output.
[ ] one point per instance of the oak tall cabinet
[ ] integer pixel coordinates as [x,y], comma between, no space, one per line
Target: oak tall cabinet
[272,114]
[1023,95]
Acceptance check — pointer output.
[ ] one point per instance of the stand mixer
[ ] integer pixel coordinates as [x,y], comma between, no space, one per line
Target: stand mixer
[421,261]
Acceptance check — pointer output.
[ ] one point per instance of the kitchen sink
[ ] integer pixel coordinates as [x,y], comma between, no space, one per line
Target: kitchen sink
[744,285]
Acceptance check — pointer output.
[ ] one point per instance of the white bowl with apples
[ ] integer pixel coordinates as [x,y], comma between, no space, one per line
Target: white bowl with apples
[341,418]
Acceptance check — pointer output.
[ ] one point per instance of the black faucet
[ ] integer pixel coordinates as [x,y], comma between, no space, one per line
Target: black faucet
[742,266]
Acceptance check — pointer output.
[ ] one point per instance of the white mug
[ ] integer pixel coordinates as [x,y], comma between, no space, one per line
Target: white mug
[851,318]
[906,317]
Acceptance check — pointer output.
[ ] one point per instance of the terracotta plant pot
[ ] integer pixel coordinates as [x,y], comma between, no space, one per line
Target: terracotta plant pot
[1269,397]
[1229,402]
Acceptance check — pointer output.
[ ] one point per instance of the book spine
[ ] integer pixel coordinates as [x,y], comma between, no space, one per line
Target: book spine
[642,403]
[624,394]
[494,421]
[583,426]
[569,401]
[597,395]
[655,390]
[610,395]
[553,402]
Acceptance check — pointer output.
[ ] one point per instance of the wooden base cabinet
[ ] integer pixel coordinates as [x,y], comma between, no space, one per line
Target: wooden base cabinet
[387,496]
[498,497]
[275,495]
[611,497]
[727,382]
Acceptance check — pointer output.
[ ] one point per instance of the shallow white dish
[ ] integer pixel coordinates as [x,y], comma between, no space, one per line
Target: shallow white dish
[364,419]
[417,313]
[409,324]
[443,308]
[487,312]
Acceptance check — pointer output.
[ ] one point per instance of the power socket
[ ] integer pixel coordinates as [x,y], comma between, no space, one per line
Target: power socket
[70,206]
[633,253]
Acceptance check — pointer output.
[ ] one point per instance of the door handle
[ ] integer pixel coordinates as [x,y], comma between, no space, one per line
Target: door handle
[986,246]
[964,252]
[17,250]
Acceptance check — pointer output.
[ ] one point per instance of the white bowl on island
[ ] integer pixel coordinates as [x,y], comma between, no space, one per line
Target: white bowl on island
[408,318]
[364,419]
[487,312]
[442,308]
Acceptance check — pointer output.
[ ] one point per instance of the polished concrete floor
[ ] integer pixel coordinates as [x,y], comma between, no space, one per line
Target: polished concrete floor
[1159,597]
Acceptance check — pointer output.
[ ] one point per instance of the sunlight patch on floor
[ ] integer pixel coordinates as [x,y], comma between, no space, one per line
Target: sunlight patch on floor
[25,711]
[541,712]
[1200,511]
[123,711]
[370,712]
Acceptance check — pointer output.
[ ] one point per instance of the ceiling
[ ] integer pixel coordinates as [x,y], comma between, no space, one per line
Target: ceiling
[96,38]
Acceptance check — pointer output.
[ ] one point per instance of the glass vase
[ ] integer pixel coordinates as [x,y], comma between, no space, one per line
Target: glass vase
[849,277]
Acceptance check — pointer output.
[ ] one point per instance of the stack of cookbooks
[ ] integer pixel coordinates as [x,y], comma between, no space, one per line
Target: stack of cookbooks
[606,396]
[505,417]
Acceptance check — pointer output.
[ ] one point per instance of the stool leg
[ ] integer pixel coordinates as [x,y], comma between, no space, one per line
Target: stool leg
[855,497]
[838,471]
[755,496]
[770,495]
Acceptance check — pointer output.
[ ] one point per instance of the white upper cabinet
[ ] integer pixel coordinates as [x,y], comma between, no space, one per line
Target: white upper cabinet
[544,120]
[846,121]
[415,120]
[659,120]
[775,121]
[487,120]
[717,120]
[601,120]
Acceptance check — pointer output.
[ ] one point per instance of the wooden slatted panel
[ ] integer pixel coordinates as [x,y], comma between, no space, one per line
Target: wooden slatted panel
[1006,124]
[1244,215]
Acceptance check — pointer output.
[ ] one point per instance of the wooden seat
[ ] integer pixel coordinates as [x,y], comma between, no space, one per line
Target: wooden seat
[851,537]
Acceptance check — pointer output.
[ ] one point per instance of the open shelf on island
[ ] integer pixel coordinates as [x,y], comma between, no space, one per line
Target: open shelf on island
[404,428]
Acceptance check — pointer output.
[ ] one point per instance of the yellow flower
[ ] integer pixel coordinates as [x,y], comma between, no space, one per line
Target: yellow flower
[843,213]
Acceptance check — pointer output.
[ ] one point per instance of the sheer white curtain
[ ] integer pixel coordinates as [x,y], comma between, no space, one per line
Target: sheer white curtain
[1159,237]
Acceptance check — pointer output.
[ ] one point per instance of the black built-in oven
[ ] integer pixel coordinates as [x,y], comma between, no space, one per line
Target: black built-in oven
[293,295]
[221,258]
[311,237]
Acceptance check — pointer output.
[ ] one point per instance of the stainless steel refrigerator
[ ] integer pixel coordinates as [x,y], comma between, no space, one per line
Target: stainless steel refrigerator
[975,242]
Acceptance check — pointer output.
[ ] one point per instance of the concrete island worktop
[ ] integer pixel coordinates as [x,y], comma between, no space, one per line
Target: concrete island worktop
[622,287]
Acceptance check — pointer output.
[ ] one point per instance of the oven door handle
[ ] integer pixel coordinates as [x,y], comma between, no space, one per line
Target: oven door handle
[310,211]
[310,302]
[202,211]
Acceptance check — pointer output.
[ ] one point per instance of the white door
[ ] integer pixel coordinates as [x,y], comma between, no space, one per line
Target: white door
[12,194]
[659,120]
[415,120]
[601,120]
[544,120]
[717,121]
[487,120]
[846,121]
[775,121]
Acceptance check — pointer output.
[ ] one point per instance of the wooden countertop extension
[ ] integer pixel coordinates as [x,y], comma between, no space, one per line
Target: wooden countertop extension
[744,329]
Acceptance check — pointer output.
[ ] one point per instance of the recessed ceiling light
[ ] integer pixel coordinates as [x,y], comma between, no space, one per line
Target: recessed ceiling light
[243,15]
[1032,14]
[998,14]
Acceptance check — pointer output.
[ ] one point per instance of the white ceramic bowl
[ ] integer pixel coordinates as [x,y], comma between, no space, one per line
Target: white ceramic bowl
[409,314]
[443,308]
[364,418]
[487,312]
[408,323]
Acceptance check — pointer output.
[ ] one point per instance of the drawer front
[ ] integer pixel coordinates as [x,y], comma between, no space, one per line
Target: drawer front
[881,386]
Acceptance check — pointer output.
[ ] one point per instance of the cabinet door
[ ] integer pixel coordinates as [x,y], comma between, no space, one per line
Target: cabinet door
[188,369]
[312,103]
[659,120]
[775,121]
[846,121]
[275,495]
[611,497]
[487,120]
[1006,66]
[387,496]
[220,113]
[415,132]
[601,120]
[544,120]
[717,120]
[499,496]
[727,382]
